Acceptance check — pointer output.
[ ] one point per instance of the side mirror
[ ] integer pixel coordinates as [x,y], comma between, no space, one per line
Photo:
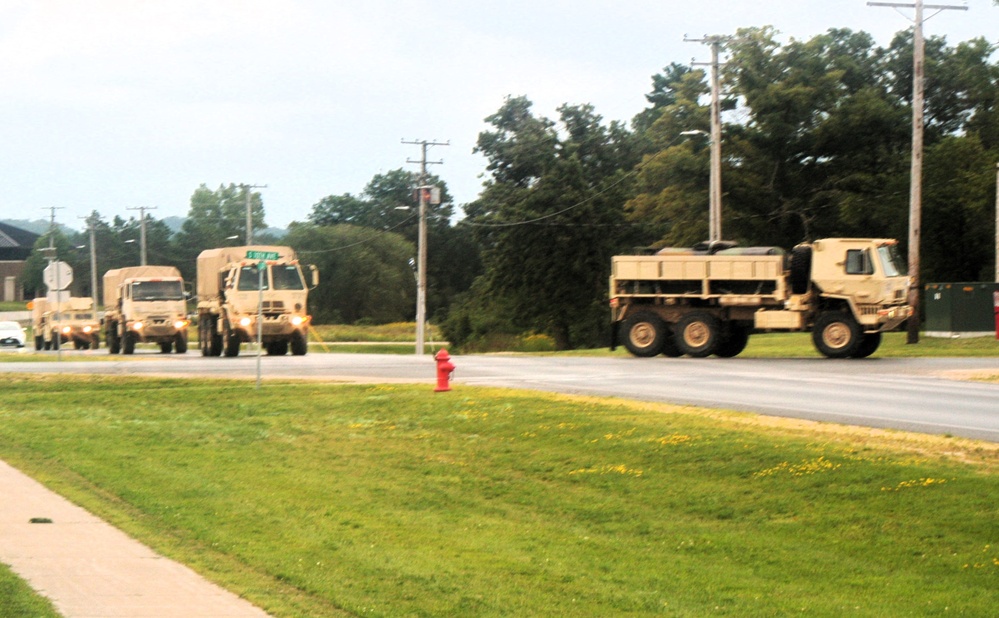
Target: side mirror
[314,276]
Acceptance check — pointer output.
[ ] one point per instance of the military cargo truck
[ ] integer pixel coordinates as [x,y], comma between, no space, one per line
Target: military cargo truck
[145,304]
[709,299]
[231,300]
[72,319]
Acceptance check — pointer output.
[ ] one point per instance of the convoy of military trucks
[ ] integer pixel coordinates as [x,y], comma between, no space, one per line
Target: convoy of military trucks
[247,294]
[702,301]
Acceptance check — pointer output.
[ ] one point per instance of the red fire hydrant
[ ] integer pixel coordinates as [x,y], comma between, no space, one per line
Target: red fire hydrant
[995,306]
[444,370]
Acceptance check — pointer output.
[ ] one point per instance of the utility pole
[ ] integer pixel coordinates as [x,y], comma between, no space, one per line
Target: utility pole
[714,183]
[91,221]
[249,211]
[916,172]
[421,244]
[997,223]
[142,231]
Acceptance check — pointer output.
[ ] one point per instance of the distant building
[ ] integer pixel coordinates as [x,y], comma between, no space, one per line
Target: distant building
[15,247]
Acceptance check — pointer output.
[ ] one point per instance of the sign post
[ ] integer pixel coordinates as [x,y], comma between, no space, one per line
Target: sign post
[262,257]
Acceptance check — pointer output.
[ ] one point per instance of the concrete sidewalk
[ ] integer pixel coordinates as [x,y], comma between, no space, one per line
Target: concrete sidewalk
[89,569]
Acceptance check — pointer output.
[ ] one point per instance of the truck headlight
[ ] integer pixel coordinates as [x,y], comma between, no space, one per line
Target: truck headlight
[244,322]
[297,320]
[66,330]
[137,325]
[87,329]
[179,324]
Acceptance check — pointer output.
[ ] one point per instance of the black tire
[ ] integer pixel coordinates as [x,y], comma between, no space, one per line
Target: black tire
[644,334]
[277,348]
[868,345]
[114,343]
[735,342]
[215,339]
[204,336]
[669,344]
[95,343]
[166,347]
[180,344]
[698,334]
[299,344]
[79,345]
[837,335]
[231,340]
[39,343]
[128,343]
[47,345]
[801,269]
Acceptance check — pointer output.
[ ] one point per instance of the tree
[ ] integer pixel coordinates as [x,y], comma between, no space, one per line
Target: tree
[550,216]
[820,143]
[215,219]
[390,203]
[363,273]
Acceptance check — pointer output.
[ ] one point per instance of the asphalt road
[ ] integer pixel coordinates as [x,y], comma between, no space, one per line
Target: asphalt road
[922,395]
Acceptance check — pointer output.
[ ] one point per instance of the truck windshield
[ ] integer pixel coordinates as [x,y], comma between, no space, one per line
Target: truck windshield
[157,290]
[249,279]
[891,261]
[287,277]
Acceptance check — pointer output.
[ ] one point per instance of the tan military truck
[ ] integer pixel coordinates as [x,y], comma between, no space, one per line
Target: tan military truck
[231,300]
[709,299]
[72,319]
[145,304]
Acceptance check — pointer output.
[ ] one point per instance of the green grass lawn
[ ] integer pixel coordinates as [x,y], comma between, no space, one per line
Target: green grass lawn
[17,600]
[391,500]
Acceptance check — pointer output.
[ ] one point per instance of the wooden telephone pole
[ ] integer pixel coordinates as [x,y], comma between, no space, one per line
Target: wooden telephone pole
[916,173]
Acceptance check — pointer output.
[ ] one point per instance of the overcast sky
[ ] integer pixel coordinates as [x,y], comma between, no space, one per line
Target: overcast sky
[109,105]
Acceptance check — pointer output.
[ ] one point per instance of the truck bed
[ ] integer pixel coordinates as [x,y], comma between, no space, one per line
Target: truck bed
[731,279]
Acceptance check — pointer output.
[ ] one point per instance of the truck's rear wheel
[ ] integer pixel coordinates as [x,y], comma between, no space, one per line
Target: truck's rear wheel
[231,340]
[836,335]
[868,345]
[698,334]
[166,347]
[95,343]
[204,335]
[299,344]
[735,342]
[277,348]
[180,344]
[644,333]
[670,348]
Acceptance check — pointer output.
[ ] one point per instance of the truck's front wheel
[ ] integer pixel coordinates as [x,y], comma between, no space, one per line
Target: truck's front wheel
[836,335]
[39,343]
[698,334]
[868,345]
[114,343]
[644,333]
[128,345]
[299,344]
[231,340]
[180,344]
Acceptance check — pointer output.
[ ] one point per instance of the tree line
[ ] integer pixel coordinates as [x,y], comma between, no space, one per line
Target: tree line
[816,143]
